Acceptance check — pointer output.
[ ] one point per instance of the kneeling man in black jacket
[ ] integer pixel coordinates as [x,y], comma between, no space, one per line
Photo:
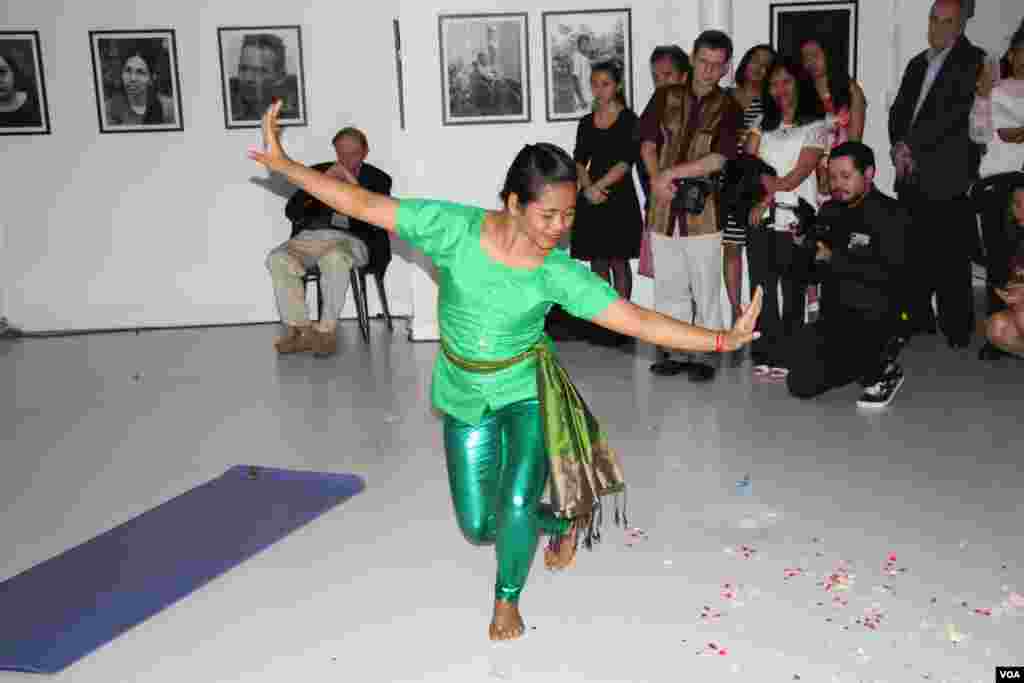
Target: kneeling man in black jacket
[858,254]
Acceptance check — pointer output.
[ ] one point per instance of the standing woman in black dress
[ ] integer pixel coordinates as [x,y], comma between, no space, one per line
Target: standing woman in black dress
[608,224]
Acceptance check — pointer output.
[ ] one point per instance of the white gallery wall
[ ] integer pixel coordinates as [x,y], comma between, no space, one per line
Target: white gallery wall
[3,268]
[468,163]
[138,229]
[152,229]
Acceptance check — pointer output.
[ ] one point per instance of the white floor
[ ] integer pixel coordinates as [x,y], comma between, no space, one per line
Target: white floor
[97,429]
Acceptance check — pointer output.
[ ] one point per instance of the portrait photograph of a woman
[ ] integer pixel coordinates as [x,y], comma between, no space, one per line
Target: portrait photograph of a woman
[23,109]
[137,85]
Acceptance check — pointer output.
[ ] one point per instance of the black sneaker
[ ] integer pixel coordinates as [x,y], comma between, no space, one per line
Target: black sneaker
[990,352]
[880,394]
[701,372]
[669,367]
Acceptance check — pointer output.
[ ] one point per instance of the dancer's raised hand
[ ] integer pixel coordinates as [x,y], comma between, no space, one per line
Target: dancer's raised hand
[272,155]
[742,332]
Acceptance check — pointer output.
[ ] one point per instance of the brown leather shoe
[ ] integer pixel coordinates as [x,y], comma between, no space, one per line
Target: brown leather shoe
[325,343]
[297,340]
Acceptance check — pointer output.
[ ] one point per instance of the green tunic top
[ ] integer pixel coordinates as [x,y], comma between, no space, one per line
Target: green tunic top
[490,311]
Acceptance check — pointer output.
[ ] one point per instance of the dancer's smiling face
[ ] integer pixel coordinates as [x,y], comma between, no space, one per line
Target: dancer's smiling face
[547,218]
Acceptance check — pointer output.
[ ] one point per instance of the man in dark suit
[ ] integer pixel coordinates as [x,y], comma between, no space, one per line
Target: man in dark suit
[936,162]
[333,242]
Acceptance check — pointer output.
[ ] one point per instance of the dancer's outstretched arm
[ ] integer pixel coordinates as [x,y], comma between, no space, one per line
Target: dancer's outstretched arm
[629,319]
[343,195]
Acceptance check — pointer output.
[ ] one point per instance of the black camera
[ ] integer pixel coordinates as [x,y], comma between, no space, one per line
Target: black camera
[816,232]
[742,188]
[809,230]
[692,194]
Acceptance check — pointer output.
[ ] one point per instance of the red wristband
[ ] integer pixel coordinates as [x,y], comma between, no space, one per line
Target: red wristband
[719,342]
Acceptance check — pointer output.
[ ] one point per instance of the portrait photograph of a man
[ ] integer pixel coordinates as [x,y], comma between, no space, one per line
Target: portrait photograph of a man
[257,65]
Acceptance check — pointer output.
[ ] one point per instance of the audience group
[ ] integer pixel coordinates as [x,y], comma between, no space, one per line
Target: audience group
[774,170]
[775,167]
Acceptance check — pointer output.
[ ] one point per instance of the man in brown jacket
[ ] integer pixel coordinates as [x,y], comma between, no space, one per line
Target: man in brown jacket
[689,133]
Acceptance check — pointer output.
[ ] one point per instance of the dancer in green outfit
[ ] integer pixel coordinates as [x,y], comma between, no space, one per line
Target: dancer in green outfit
[512,418]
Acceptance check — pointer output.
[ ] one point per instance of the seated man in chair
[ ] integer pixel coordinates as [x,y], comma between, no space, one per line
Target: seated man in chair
[330,241]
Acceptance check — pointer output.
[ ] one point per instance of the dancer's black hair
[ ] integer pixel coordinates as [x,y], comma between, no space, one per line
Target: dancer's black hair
[534,168]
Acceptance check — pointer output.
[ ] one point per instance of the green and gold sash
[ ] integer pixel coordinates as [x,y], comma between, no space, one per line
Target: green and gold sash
[583,466]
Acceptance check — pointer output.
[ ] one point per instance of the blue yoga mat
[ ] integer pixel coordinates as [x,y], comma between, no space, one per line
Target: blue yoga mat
[61,610]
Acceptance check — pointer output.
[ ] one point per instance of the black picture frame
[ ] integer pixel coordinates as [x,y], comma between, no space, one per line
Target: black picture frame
[396,29]
[154,54]
[21,53]
[562,32]
[834,23]
[494,89]
[245,101]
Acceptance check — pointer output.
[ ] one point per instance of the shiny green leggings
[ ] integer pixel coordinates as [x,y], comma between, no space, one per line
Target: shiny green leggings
[497,470]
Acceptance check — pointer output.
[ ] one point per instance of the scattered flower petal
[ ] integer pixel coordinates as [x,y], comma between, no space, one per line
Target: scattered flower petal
[635,535]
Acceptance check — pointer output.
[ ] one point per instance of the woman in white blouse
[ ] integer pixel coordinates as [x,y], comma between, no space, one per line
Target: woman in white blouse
[997,121]
[791,137]
[997,118]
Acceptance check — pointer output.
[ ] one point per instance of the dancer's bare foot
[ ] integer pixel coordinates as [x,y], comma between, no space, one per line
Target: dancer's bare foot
[507,623]
[565,556]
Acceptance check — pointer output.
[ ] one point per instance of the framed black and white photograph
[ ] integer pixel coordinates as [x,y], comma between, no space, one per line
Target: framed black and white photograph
[257,64]
[23,106]
[834,24]
[136,79]
[396,28]
[574,42]
[485,68]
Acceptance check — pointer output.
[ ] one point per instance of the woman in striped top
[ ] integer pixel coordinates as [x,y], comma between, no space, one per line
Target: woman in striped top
[750,75]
